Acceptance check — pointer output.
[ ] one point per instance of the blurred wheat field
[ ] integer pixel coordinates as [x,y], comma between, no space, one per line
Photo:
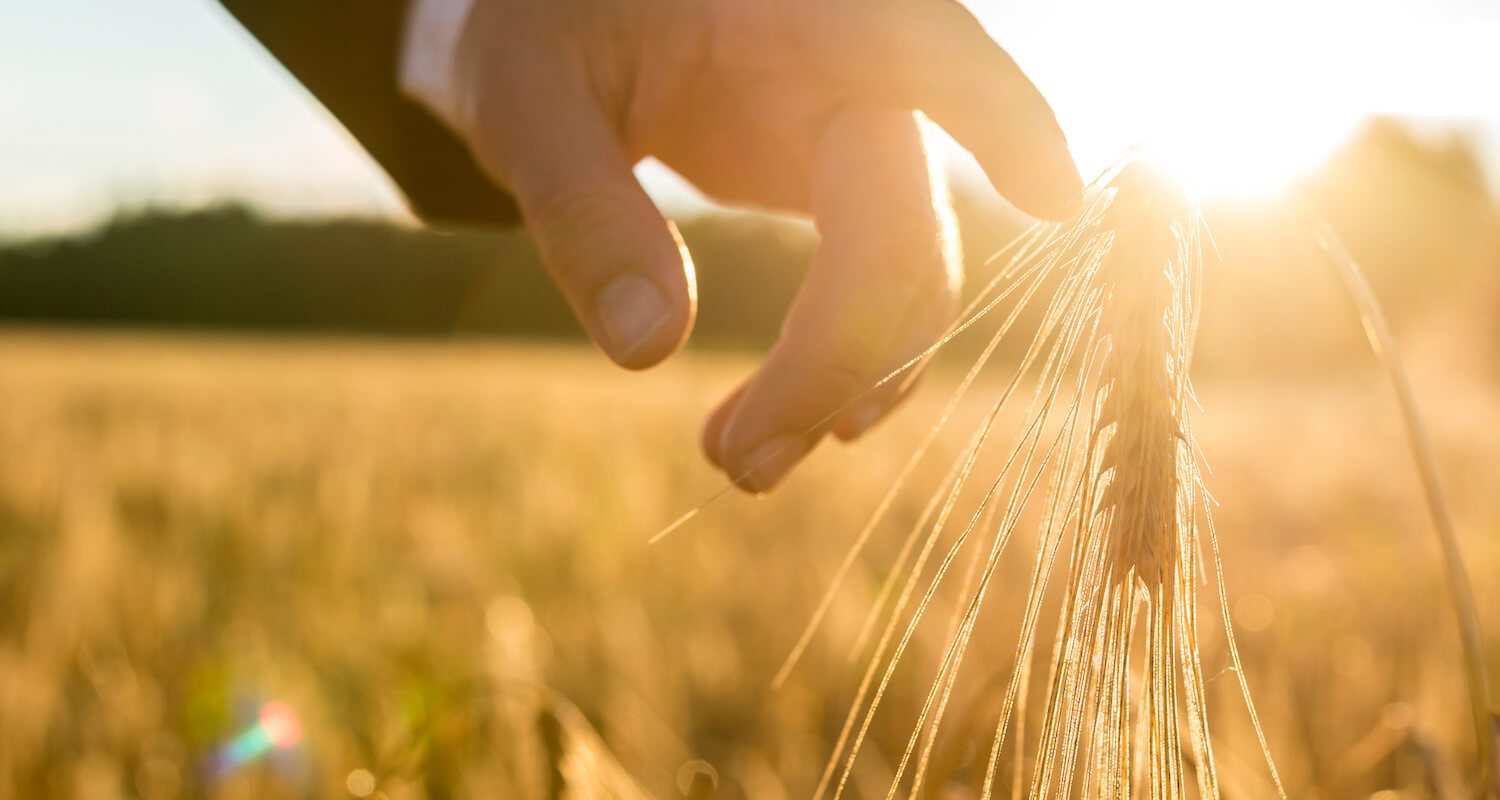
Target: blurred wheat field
[431,557]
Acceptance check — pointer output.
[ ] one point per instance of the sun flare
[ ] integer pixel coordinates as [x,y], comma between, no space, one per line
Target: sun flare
[1243,165]
[1236,103]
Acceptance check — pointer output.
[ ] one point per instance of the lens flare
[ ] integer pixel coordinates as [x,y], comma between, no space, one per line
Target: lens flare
[276,728]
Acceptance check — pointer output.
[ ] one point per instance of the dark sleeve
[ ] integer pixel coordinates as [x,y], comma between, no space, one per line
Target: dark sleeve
[346,52]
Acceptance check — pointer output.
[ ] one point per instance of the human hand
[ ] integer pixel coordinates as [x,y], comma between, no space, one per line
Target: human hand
[795,105]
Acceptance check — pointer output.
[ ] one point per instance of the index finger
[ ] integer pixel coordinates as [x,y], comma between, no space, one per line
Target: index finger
[933,55]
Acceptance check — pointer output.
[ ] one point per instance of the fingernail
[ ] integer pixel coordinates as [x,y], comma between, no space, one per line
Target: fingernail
[861,418]
[766,465]
[630,309]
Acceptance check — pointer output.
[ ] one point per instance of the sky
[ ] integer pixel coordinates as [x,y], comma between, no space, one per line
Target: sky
[107,104]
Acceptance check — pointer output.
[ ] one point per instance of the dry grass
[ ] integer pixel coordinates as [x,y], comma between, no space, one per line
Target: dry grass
[419,548]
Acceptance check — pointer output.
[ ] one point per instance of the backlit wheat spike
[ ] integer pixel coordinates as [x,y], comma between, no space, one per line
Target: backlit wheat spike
[1126,681]
[1107,433]
[1060,255]
[1130,603]
[1140,470]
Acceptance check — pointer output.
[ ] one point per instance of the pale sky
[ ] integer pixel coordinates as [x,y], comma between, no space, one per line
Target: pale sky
[104,102]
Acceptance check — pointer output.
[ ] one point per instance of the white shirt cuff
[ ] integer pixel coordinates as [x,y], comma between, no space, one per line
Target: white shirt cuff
[433,28]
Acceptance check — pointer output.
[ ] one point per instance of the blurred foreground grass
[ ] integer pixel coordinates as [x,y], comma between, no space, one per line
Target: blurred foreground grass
[430,558]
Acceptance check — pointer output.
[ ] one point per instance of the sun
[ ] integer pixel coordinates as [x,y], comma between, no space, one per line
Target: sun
[1236,103]
[1222,159]
[1243,164]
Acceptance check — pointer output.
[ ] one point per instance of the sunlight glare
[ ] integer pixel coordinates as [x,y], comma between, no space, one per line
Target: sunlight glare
[1239,113]
[1235,101]
[1243,163]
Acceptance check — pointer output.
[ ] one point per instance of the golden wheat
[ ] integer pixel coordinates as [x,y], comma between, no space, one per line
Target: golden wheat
[1135,521]
[1106,431]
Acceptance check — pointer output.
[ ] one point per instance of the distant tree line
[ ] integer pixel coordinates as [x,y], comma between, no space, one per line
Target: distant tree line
[1412,209]
[229,268]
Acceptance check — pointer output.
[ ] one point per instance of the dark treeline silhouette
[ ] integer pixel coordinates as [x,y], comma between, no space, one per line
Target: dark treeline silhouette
[1414,210]
[229,268]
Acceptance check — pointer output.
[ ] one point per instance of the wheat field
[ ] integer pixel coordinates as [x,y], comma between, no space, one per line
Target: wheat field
[239,567]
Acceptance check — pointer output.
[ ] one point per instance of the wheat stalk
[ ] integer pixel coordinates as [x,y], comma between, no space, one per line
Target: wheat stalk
[1460,595]
[1108,432]
[1136,517]
[1107,449]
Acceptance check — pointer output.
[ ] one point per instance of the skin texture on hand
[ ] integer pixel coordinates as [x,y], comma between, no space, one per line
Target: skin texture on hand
[807,106]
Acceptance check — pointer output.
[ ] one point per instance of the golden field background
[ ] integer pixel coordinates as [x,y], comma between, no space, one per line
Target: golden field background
[434,555]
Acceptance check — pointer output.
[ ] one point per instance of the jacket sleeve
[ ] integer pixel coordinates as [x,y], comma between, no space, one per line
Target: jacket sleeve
[346,52]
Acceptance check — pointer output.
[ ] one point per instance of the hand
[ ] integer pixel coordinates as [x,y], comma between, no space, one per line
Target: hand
[796,105]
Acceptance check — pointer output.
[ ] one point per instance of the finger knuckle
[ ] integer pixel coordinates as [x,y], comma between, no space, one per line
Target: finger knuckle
[913,238]
[844,377]
[569,225]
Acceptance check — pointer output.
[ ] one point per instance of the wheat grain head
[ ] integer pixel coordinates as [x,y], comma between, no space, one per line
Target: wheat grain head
[1106,449]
